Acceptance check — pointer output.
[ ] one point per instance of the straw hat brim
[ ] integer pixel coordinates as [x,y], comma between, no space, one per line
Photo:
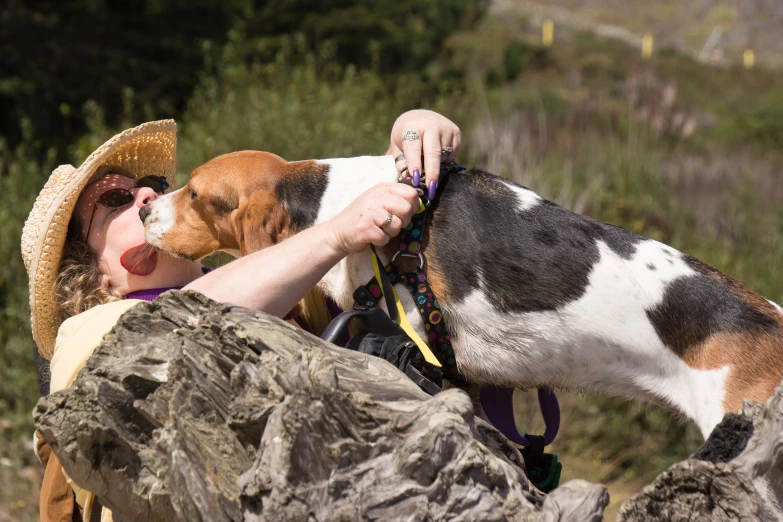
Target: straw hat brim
[149,149]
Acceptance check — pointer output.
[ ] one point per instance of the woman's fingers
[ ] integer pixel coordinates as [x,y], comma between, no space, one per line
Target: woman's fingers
[399,208]
[400,163]
[426,139]
[365,221]
[456,143]
[411,147]
[433,149]
[388,222]
[378,237]
[408,201]
[392,211]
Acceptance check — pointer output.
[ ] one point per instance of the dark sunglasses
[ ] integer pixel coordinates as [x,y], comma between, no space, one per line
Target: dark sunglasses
[120,197]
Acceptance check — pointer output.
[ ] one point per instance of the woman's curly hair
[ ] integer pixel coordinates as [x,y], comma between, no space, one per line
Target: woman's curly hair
[78,285]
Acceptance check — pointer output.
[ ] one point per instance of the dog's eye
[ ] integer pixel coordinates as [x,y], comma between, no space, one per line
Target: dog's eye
[193,194]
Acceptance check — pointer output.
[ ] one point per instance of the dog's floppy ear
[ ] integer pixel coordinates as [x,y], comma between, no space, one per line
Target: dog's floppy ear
[259,222]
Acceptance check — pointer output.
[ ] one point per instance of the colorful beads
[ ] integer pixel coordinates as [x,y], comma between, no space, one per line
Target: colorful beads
[416,282]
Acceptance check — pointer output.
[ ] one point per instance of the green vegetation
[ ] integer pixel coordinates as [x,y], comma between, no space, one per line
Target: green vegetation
[715,30]
[671,149]
[21,176]
[58,55]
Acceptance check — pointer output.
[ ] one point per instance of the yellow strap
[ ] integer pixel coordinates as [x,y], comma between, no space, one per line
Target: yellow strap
[422,208]
[404,323]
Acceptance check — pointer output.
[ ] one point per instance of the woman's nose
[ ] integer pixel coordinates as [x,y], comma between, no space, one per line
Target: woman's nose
[145,195]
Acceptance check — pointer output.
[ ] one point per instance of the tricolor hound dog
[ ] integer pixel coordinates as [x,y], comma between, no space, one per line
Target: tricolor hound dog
[533,294]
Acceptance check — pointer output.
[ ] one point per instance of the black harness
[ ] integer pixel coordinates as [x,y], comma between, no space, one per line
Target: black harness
[381,335]
[415,280]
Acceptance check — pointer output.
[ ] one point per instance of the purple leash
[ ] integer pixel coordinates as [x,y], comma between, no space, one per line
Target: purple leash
[498,405]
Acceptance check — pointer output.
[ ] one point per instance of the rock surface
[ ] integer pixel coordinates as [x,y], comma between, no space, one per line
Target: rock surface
[736,475]
[194,410]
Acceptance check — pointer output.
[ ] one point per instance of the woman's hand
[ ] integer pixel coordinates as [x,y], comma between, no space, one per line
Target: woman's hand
[374,217]
[435,133]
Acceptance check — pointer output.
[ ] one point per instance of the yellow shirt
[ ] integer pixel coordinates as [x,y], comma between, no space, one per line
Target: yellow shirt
[77,338]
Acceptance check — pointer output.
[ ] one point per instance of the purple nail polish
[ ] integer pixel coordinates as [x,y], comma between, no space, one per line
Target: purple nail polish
[432,188]
[416,177]
[419,192]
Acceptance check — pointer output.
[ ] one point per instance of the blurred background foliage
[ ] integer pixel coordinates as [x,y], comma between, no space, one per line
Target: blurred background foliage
[675,148]
[58,55]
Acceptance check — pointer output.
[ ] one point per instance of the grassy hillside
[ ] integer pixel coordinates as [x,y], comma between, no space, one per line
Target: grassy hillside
[672,148]
[716,32]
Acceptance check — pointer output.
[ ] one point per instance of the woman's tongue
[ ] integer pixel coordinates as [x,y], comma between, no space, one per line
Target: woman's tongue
[140,260]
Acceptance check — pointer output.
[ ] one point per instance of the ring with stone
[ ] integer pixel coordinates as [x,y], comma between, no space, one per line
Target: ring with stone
[445,151]
[387,221]
[411,135]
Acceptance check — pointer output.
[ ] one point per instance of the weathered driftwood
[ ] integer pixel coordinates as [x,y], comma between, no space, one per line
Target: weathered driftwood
[736,475]
[193,410]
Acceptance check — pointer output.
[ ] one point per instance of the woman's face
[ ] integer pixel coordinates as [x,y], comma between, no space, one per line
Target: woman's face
[127,262]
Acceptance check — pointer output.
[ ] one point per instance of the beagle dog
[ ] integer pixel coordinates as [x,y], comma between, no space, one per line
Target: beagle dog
[533,294]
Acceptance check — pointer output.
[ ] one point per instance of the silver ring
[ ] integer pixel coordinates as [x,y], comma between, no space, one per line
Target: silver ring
[399,158]
[445,151]
[411,135]
[387,221]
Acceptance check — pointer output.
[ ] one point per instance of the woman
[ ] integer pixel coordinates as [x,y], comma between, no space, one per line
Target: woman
[84,250]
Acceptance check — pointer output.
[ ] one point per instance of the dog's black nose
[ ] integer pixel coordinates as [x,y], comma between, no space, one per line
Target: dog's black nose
[143,213]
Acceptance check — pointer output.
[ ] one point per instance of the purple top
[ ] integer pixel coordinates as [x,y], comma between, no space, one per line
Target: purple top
[149,294]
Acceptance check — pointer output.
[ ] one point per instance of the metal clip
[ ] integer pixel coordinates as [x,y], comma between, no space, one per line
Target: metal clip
[421,257]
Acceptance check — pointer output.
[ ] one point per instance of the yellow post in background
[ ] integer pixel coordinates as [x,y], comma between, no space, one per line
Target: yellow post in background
[748,58]
[647,46]
[548,33]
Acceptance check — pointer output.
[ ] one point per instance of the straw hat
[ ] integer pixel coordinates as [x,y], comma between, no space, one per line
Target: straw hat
[144,150]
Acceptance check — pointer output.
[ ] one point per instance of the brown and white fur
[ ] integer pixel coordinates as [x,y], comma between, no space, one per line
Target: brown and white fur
[533,295]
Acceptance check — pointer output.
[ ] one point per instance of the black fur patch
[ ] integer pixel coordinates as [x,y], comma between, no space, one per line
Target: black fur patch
[695,307]
[532,260]
[301,193]
[727,440]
